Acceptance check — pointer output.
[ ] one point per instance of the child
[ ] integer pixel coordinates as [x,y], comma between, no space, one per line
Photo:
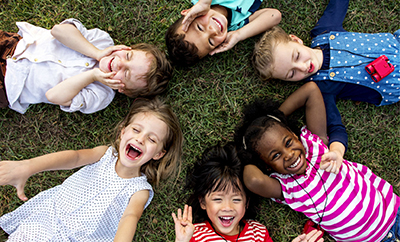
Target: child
[203,29]
[106,198]
[336,62]
[75,68]
[345,199]
[221,202]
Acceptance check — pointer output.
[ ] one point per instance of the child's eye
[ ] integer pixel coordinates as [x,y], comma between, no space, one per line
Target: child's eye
[275,156]
[237,200]
[217,199]
[199,27]
[135,130]
[291,75]
[298,55]
[288,142]
[152,140]
[209,41]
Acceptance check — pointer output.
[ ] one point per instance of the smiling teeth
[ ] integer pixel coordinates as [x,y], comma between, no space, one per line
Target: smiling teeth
[219,25]
[295,164]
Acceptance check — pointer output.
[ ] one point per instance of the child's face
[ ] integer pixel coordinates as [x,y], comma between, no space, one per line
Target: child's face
[130,67]
[225,209]
[294,62]
[142,140]
[206,32]
[282,151]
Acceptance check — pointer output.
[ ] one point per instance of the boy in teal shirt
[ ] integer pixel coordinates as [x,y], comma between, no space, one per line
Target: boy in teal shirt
[211,27]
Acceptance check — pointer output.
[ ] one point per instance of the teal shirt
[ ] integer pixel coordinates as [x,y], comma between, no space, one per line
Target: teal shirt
[239,11]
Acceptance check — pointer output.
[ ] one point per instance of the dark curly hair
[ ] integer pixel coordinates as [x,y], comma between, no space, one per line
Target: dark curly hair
[258,117]
[218,168]
[180,51]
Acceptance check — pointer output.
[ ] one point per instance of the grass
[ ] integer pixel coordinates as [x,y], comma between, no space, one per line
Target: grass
[207,98]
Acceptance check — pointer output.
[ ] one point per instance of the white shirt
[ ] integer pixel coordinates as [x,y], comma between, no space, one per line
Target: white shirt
[40,62]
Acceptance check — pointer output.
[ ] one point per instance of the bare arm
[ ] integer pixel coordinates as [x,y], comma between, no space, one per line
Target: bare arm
[261,184]
[311,98]
[71,37]
[199,9]
[259,21]
[16,173]
[130,218]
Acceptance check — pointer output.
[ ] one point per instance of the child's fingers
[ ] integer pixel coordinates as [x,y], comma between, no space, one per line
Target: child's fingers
[190,217]
[185,213]
[20,192]
[174,217]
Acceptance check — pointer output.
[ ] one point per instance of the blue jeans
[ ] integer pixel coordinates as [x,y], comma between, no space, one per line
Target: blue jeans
[394,233]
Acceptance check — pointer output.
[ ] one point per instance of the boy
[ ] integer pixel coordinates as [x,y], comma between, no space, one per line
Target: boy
[336,62]
[75,68]
[203,29]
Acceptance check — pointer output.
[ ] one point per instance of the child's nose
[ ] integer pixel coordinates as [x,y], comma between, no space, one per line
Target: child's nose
[140,138]
[302,66]
[227,206]
[289,154]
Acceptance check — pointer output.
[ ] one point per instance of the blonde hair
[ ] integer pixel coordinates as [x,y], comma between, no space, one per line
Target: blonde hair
[170,164]
[263,52]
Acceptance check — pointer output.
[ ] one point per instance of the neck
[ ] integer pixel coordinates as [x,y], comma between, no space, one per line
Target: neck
[125,172]
[320,57]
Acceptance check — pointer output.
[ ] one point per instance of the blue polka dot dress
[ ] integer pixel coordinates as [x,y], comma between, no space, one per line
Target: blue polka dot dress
[85,207]
[349,54]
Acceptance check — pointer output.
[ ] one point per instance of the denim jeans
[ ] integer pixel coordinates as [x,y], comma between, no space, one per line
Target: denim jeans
[394,233]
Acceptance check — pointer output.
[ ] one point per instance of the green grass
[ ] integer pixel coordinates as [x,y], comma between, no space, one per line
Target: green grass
[207,98]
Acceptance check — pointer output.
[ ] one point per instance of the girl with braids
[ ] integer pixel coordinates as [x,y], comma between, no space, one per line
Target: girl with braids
[345,199]
[221,203]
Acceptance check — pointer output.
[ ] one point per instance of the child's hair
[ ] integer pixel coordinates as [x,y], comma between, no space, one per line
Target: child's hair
[258,117]
[170,163]
[263,52]
[219,168]
[180,51]
[158,76]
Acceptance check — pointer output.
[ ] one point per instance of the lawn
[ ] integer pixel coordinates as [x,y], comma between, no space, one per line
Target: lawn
[207,99]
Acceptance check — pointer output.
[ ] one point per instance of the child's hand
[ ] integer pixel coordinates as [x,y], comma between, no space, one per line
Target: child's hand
[109,50]
[231,40]
[106,79]
[310,237]
[14,173]
[199,9]
[183,224]
[331,161]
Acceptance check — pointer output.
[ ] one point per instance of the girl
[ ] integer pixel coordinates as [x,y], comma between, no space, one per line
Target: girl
[221,201]
[345,199]
[106,198]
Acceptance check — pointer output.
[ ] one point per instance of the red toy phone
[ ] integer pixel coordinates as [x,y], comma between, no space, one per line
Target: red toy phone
[310,226]
[379,68]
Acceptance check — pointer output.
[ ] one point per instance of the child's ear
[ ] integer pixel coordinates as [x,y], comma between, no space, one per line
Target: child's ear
[159,155]
[202,204]
[296,39]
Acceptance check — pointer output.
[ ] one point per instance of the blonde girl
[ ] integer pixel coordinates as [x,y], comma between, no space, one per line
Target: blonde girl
[104,200]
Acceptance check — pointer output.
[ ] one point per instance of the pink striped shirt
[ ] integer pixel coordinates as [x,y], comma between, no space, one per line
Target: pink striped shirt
[360,206]
[253,231]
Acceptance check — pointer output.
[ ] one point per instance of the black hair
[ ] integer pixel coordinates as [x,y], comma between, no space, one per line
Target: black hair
[217,169]
[180,51]
[258,117]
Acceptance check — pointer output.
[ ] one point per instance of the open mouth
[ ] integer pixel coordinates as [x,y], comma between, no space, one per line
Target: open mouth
[218,24]
[311,68]
[296,163]
[226,221]
[133,152]
[109,64]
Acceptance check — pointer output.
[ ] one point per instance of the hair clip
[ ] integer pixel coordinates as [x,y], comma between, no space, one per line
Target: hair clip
[273,117]
[244,144]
